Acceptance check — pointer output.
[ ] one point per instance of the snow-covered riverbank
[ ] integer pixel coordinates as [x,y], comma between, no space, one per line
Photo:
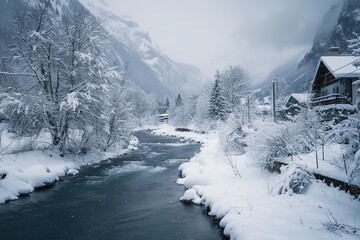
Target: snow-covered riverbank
[243,197]
[21,172]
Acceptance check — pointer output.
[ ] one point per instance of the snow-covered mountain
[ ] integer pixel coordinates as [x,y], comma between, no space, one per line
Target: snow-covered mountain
[194,75]
[139,43]
[338,26]
[151,71]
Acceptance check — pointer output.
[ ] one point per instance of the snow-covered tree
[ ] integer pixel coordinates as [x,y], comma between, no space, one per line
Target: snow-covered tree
[87,76]
[311,124]
[192,106]
[218,109]
[119,112]
[62,78]
[236,86]
[163,105]
[181,112]
[178,101]
[198,108]
[140,106]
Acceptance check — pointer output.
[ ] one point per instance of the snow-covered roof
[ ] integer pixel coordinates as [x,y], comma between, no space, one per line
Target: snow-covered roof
[267,99]
[301,97]
[264,107]
[342,66]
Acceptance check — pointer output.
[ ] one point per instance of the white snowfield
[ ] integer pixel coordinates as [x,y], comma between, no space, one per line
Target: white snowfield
[248,206]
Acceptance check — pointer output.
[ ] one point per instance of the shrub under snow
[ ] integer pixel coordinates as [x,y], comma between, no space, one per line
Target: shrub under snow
[293,179]
[272,141]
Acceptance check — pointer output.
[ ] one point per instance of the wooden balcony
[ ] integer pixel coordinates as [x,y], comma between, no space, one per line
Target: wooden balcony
[330,99]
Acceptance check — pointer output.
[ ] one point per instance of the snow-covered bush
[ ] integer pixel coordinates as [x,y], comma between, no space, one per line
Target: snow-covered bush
[271,141]
[293,179]
[233,135]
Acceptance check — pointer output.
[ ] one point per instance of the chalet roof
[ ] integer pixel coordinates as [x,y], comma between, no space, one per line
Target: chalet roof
[301,97]
[342,65]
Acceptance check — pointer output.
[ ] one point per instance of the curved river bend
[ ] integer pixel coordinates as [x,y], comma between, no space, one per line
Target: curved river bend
[130,197]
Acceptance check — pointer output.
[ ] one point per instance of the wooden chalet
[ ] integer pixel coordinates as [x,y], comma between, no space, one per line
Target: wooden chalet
[334,80]
[297,99]
[293,105]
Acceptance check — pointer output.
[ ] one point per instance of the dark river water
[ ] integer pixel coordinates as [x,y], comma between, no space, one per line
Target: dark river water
[130,197]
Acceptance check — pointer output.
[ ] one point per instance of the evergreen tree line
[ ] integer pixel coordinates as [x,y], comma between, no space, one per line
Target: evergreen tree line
[225,97]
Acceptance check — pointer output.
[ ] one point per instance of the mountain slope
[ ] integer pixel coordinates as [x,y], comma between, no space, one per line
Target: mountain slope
[194,75]
[290,72]
[139,43]
[337,27]
[151,71]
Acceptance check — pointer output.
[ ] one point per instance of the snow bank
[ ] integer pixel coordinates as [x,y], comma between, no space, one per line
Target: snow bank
[165,129]
[23,172]
[249,207]
[190,195]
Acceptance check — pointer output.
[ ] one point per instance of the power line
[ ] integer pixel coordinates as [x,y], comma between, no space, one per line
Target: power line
[333,71]
[349,73]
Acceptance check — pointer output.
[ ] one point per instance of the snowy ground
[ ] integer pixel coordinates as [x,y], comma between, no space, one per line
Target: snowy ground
[248,208]
[21,172]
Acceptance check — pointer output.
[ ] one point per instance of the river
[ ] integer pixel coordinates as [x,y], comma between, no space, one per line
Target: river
[134,196]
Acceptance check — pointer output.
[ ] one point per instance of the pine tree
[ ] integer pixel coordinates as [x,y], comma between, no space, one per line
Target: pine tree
[178,101]
[167,104]
[218,107]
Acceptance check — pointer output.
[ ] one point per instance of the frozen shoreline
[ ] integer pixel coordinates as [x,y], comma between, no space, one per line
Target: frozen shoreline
[248,206]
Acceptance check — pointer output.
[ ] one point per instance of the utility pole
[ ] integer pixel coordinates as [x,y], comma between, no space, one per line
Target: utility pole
[248,110]
[273,101]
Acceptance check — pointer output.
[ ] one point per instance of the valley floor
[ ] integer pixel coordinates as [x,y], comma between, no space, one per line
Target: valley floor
[235,189]
[241,195]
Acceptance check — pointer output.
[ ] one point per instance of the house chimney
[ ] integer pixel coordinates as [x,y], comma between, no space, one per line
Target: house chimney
[334,51]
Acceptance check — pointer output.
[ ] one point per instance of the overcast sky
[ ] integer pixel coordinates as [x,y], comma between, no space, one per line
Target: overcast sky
[256,34]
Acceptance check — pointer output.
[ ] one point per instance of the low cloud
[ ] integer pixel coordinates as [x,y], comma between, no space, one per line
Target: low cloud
[258,34]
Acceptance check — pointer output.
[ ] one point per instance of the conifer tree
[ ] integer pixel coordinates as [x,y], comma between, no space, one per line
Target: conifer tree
[218,107]
[178,101]
[167,104]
